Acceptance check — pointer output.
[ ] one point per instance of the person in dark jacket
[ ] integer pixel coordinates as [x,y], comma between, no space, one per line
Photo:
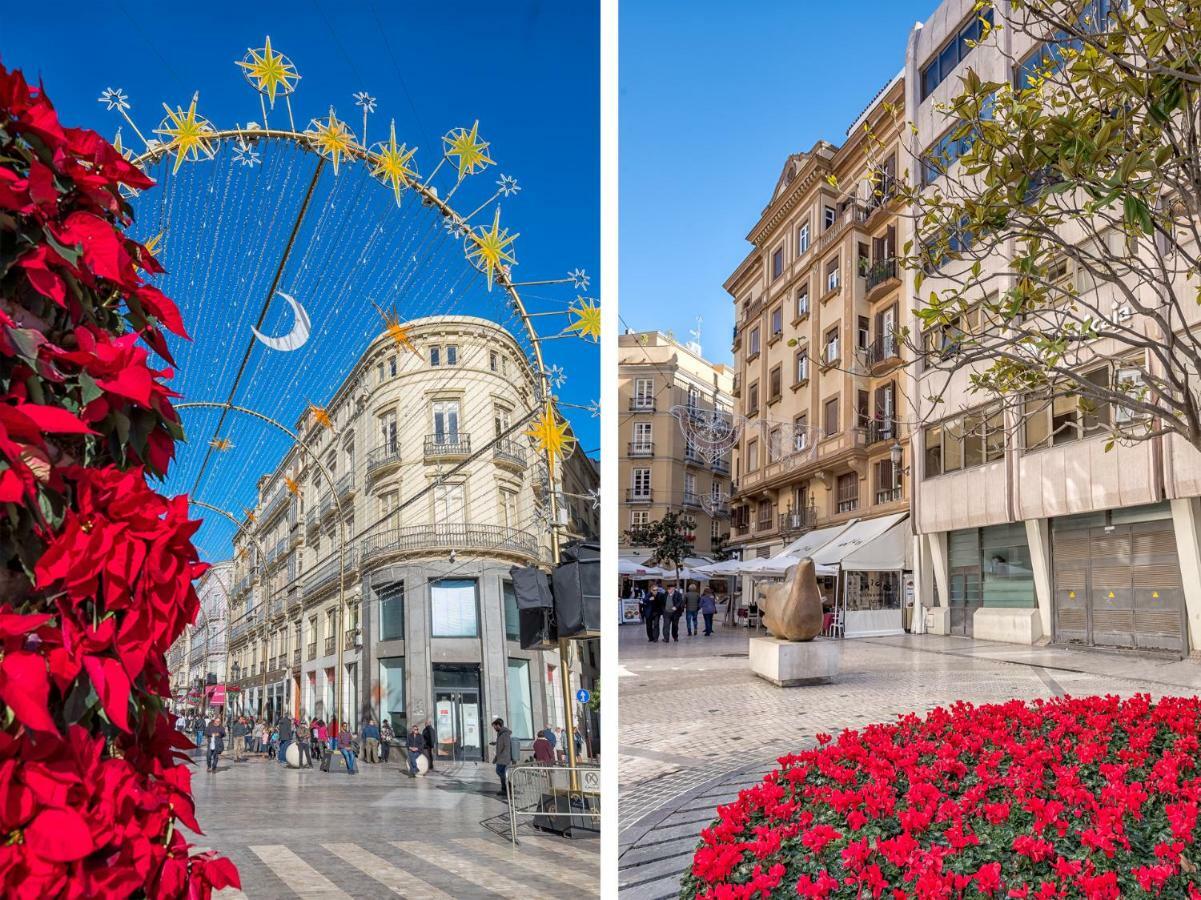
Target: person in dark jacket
[285,738]
[504,754]
[386,737]
[215,737]
[692,606]
[431,740]
[415,745]
[657,604]
[708,608]
[671,616]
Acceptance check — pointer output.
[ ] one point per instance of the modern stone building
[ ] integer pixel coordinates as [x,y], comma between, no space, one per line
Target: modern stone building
[437,493]
[819,381]
[1028,529]
[659,470]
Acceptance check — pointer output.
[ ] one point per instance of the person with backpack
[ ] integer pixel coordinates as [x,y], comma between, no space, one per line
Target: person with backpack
[285,738]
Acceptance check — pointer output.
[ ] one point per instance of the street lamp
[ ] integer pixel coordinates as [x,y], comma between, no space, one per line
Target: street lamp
[896,453]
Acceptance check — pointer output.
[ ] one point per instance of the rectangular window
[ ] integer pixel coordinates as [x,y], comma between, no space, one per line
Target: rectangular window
[777,321]
[642,482]
[493,360]
[753,345]
[777,263]
[521,707]
[392,366]
[453,608]
[435,356]
[452,355]
[387,428]
[752,399]
[800,433]
[392,692]
[380,372]
[391,599]
[507,501]
[802,239]
[639,518]
[775,378]
[943,63]
[831,416]
[832,275]
[831,352]
[773,445]
[512,614]
[863,334]
[446,421]
[828,217]
[764,513]
[752,456]
[802,366]
[644,393]
[449,505]
[802,302]
[848,492]
[643,441]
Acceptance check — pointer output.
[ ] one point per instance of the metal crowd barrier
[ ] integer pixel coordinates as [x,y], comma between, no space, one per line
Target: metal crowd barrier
[554,798]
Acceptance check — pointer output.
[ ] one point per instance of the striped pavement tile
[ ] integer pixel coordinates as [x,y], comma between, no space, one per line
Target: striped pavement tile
[386,872]
[514,858]
[483,876]
[298,875]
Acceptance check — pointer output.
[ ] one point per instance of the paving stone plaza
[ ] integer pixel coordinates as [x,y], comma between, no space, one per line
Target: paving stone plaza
[697,726]
[306,833]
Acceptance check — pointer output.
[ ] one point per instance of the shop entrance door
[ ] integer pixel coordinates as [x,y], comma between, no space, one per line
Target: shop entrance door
[459,712]
[965,584]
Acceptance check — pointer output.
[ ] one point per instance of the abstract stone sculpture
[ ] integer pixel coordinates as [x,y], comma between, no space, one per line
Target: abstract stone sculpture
[792,611]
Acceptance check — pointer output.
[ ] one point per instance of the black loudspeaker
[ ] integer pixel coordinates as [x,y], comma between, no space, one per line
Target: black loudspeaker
[535,608]
[577,592]
[211,679]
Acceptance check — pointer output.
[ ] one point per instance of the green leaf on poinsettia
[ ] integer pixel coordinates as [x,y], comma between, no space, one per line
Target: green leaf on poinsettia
[80,700]
[71,254]
[121,427]
[88,389]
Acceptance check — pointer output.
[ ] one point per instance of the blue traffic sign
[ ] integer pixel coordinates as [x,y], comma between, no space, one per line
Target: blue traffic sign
[583,696]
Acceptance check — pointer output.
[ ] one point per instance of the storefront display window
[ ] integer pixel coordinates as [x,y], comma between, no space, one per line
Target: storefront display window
[1005,562]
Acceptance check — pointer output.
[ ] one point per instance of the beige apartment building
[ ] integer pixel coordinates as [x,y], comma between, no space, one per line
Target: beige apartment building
[198,654]
[1028,530]
[431,525]
[660,469]
[820,385]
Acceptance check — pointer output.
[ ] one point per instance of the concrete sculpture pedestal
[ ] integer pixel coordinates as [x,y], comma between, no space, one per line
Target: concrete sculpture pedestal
[794,663]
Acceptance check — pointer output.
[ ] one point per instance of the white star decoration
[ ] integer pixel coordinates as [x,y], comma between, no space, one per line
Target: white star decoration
[594,497]
[579,278]
[114,98]
[556,376]
[508,185]
[364,101]
[246,155]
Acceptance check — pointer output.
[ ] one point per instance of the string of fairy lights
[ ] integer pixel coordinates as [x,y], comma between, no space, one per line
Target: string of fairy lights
[366,244]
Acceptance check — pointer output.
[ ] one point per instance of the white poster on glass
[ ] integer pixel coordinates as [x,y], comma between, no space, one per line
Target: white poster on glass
[471,725]
[446,728]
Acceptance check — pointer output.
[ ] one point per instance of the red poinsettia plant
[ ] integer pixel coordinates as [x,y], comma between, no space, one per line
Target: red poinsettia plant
[96,568]
[1093,797]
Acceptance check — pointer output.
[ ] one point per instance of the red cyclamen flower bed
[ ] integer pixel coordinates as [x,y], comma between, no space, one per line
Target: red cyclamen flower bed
[1093,797]
[96,568]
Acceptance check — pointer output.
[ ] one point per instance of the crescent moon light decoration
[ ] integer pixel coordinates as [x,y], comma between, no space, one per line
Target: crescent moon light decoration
[294,339]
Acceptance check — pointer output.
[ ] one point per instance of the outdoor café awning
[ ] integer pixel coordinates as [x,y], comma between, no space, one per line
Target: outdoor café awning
[807,545]
[861,536]
[893,550]
[632,568]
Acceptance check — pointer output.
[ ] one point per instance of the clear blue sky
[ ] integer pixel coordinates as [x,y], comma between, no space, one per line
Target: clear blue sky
[714,96]
[527,71]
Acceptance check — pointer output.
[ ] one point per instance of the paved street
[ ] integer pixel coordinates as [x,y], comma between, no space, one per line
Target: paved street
[696,725]
[378,834]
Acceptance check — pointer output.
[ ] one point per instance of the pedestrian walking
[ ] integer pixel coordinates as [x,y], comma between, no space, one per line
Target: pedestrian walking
[672,615]
[708,608]
[657,604]
[239,736]
[692,605]
[544,753]
[430,738]
[304,745]
[215,734]
[371,742]
[386,737]
[415,745]
[346,746]
[503,757]
[200,727]
[314,739]
[323,736]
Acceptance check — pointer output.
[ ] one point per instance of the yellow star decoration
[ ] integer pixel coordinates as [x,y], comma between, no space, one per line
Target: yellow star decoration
[242,551]
[188,134]
[219,444]
[490,248]
[331,138]
[120,147]
[269,71]
[250,514]
[587,322]
[552,436]
[399,333]
[469,152]
[390,163]
[292,486]
[321,416]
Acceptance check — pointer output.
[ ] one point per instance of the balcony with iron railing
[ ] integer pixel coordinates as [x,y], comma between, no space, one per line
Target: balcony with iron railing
[344,486]
[384,457]
[329,645]
[327,572]
[642,404]
[642,448]
[296,657]
[815,452]
[312,516]
[719,507]
[693,455]
[882,271]
[798,521]
[720,465]
[692,500]
[852,214]
[509,453]
[847,504]
[882,353]
[275,506]
[311,651]
[889,495]
[447,445]
[740,529]
[349,640]
[882,429]
[445,536]
[637,495]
